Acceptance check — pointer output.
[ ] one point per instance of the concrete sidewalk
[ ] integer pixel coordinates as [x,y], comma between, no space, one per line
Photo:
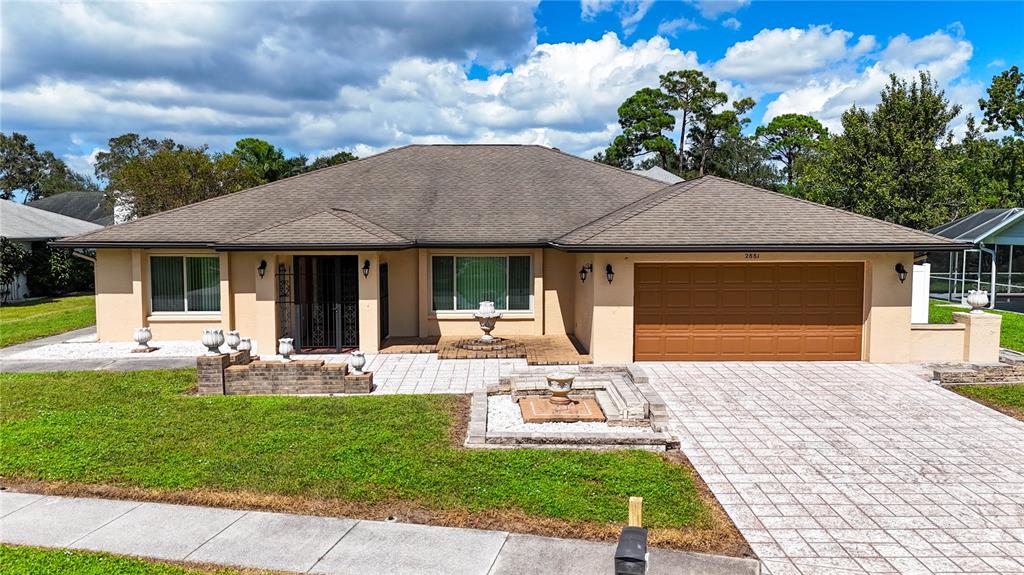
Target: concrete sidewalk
[111,364]
[313,544]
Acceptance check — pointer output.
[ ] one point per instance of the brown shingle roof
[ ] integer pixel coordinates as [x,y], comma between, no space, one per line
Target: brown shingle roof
[494,195]
[322,229]
[431,194]
[712,213]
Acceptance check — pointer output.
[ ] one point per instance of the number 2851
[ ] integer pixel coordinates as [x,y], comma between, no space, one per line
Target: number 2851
[751,256]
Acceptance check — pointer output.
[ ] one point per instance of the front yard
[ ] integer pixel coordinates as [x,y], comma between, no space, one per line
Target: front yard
[139,435]
[33,561]
[1012,336]
[22,322]
[1008,399]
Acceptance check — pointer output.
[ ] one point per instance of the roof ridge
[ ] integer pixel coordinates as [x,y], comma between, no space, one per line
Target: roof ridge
[684,185]
[357,220]
[609,166]
[276,224]
[834,209]
[245,191]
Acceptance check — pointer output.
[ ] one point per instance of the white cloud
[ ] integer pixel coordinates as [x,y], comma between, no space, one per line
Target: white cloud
[827,93]
[732,23]
[774,58]
[562,95]
[997,63]
[631,12]
[672,27]
[711,9]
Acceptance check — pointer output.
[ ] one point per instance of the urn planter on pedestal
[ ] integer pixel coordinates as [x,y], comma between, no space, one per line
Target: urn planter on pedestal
[487,316]
[357,361]
[142,336]
[233,339]
[213,338]
[285,348]
[977,299]
[245,344]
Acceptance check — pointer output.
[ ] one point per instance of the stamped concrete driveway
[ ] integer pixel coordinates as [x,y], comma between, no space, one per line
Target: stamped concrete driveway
[852,467]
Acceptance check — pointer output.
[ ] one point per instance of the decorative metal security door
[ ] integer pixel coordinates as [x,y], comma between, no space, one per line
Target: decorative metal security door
[321,296]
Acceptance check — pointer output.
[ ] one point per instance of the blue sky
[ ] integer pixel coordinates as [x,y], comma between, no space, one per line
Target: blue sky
[320,77]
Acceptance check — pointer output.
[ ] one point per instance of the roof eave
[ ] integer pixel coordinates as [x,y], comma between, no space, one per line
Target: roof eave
[311,247]
[723,248]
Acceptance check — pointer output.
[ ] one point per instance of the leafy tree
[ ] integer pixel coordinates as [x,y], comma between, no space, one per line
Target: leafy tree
[713,127]
[788,138]
[265,160]
[37,174]
[692,93]
[893,163]
[332,160]
[54,271]
[127,147]
[170,178]
[13,263]
[1004,110]
[742,158]
[644,118]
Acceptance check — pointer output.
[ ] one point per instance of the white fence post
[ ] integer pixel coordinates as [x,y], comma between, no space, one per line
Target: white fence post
[919,293]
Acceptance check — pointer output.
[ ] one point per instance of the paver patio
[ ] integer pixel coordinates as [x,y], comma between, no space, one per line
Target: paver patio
[852,467]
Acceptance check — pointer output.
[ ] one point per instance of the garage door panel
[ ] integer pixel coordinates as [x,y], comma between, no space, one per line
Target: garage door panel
[749,311]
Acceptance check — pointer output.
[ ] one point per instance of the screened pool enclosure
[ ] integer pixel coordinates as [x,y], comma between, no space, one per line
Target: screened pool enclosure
[995,263]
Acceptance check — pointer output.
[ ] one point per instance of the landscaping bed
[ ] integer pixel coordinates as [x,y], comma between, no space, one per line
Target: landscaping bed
[141,435]
[21,322]
[1011,336]
[1008,399]
[17,560]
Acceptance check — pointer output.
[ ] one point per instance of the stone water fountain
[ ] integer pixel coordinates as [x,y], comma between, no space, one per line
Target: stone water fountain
[487,316]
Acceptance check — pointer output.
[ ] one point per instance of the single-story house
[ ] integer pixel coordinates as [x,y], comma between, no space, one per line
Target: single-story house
[30,228]
[409,241]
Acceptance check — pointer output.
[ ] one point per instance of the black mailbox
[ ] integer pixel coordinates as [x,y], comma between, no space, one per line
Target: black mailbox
[631,554]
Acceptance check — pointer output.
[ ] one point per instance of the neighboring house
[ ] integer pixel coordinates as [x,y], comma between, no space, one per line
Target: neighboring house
[89,206]
[660,174]
[31,227]
[994,261]
[408,242]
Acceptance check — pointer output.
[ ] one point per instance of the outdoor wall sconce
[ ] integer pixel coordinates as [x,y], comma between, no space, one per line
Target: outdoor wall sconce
[262,270]
[366,268]
[609,273]
[901,272]
[584,271]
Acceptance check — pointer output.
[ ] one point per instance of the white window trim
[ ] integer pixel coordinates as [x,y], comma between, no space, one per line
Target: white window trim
[184,295]
[468,313]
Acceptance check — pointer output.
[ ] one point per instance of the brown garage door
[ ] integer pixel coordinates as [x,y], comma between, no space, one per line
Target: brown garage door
[752,311]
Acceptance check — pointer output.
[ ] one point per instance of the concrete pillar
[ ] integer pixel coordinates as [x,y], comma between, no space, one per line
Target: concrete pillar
[981,336]
[266,309]
[612,329]
[369,300]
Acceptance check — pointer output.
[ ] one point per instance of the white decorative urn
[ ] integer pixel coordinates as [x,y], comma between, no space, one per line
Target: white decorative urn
[487,316]
[357,361]
[977,299]
[142,335]
[233,339]
[213,338]
[285,348]
[245,344]
[560,385]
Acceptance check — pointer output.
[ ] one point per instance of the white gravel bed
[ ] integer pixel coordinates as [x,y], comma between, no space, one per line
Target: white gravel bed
[116,350]
[503,414]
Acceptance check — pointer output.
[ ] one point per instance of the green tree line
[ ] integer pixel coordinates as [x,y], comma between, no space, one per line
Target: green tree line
[898,162]
[148,175]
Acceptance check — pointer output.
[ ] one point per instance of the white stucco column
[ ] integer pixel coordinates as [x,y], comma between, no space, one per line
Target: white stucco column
[369,300]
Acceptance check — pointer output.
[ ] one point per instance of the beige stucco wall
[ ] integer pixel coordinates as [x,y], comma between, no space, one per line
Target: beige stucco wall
[560,279]
[937,342]
[598,313]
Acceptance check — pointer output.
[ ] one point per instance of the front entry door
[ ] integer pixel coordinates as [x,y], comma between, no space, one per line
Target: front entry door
[326,303]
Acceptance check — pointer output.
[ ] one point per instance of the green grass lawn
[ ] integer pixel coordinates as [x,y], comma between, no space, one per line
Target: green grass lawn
[36,561]
[138,429]
[1012,336]
[1006,398]
[31,320]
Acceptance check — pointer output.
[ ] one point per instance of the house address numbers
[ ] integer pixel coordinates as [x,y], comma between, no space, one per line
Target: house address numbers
[751,256]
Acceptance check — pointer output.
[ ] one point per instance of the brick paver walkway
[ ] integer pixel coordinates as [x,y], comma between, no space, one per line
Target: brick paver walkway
[852,467]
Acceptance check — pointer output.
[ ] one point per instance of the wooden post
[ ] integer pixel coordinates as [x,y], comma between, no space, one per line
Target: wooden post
[636,511]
